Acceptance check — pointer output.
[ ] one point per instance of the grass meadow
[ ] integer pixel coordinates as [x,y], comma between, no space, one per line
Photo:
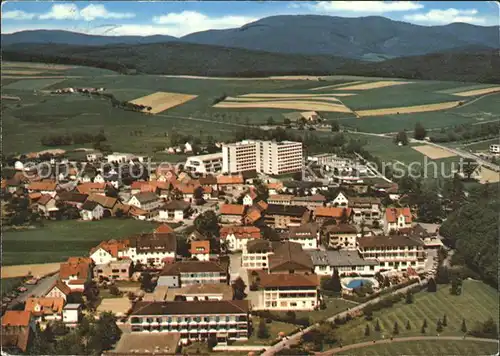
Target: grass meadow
[428,347]
[40,113]
[477,303]
[56,241]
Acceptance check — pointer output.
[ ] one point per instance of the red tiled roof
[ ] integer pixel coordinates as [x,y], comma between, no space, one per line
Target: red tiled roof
[164,229]
[241,232]
[331,212]
[43,185]
[112,246]
[48,306]
[230,179]
[45,199]
[275,186]
[232,209]
[253,216]
[80,270]
[392,214]
[35,196]
[61,286]
[288,280]
[198,247]
[262,204]
[87,188]
[16,318]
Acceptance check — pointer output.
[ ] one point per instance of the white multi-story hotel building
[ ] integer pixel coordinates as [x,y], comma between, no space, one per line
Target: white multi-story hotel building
[267,157]
[288,292]
[394,252]
[224,319]
[210,163]
[495,148]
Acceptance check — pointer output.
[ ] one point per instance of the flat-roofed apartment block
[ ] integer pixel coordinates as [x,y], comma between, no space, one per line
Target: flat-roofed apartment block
[227,320]
[256,254]
[267,157]
[288,292]
[114,270]
[394,252]
[365,209]
[345,262]
[185,273]
[196,292]
[284,217]
[306,235]
[495,148]
[311,201]
[341,236]
[209,163]
[280,199]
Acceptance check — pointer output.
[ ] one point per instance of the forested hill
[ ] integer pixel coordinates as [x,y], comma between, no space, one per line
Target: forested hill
[177,58]
[473,231]
[206,60]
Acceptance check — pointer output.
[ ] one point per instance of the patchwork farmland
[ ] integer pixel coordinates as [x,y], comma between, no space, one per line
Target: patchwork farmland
[358,103]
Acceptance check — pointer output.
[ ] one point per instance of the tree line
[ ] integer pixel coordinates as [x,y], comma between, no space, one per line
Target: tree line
[75,138]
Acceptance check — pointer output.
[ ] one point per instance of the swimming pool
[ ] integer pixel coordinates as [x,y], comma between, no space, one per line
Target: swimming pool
[355,283]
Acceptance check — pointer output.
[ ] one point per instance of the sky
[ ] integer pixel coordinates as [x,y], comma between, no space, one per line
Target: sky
[179,18]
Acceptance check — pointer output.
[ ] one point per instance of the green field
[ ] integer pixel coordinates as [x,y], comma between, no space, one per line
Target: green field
[477,303]
[480,146]
[57,241]
[9,284]
[429,347]
[25,122]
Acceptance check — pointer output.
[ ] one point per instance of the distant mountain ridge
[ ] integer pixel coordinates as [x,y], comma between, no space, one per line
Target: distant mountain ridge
[178,58]
[366,38]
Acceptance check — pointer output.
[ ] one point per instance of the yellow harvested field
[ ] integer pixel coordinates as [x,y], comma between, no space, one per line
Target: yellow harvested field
[161,101]
[285,95]
[268,98]
[478,91]
[36,270]
[21,72]
[337,85]
[306,105]
[372,85]
[408,109]
[488,176]
[433,152]
[35,65]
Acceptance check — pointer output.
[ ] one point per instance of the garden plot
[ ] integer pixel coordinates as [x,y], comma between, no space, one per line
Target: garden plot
[372,85]
[433,152]
[161,101]
[306,105]
[408,109]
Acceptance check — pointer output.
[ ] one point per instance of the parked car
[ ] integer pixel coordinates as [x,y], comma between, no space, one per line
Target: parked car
[22,289]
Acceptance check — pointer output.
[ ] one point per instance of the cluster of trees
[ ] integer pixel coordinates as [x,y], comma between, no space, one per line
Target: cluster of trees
[289,317]
[466,132]
[324,334]
[18,212]
[472,230]
[74,138]
[126,105]
[333,283]
[219,99]
[91,337]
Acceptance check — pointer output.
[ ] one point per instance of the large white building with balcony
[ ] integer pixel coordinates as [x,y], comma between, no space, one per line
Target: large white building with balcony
[209,163]
[269,157]
[227,320]
[288,292]
[394,252]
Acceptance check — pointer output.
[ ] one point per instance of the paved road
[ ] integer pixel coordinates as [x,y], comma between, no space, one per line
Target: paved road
[401,339]
[295,338]
[37,290]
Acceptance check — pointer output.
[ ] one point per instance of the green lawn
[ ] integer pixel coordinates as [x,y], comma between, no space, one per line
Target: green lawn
[274,329]
[58,240]
[333,306]
[428,347]
[9,284]
[479,146]
[477,303]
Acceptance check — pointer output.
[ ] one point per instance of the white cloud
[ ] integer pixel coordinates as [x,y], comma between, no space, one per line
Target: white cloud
[17,15]
[62,12]
[88,13]
[183,23]
[442,17]
[93,12]
[372,7]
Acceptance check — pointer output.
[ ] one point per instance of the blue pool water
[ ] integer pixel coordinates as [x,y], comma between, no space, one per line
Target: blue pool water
[357,283]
